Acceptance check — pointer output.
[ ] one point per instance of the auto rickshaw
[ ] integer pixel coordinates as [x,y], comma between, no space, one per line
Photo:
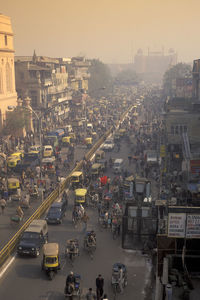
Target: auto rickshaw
[96,169]
[122,132]
[76,179]
[13,185]
[88,142]
[81,196]
[50,262]
[48,165]
[18,154]
[13,161]
[66,141]
[99,155]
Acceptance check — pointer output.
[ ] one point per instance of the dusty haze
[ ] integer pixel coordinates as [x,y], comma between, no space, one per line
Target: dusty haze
[111,30]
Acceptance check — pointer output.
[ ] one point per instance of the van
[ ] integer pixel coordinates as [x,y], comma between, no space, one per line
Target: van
[118,165]
[56,213]
[33,238]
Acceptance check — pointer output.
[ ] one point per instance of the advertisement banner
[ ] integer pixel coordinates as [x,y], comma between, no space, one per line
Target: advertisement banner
[176,225]
[193,226]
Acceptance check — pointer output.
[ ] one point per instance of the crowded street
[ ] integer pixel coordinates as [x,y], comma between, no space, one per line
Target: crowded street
[108,249]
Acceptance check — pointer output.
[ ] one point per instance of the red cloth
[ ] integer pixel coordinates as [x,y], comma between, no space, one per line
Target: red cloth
[104,180]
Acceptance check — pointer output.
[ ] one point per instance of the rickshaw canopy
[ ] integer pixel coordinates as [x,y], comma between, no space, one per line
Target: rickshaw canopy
[88,141]
[66,139]
[80,192]
[51,249]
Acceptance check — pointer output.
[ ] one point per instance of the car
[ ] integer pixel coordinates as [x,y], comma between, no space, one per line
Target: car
[33,238]
[108,145]
[56,213]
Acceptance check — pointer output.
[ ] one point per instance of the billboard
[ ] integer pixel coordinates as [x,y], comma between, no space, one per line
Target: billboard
[182,225]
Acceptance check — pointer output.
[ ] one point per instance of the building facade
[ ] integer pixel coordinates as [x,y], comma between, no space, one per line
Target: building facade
[43,79]
[154,62]
[8,95]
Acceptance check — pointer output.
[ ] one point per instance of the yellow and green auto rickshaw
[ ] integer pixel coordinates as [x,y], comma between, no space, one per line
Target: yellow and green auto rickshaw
[88,142]
[76,179]
[14,188]
[96,170]
[13,185]
[19,154]
[66,141]
[13,161]
[50,262]
[99,155]
[81,196]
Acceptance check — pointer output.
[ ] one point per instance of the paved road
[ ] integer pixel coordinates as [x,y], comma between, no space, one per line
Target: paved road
[6,229]
[29,282]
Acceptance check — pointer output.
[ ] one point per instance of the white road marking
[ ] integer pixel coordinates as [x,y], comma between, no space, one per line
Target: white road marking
[7,265]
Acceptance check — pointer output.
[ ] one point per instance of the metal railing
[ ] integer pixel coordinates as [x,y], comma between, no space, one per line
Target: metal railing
[9,248]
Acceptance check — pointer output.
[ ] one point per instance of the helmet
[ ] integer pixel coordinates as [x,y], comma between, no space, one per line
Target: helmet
[71,273]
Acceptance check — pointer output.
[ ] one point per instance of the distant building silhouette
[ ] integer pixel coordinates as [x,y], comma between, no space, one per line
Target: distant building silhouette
[154,62]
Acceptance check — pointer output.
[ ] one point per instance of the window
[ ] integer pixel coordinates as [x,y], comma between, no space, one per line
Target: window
[8,78]
[6,40]
[178,129]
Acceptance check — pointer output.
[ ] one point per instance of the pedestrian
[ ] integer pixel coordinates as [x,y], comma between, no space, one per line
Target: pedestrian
[3,205]
[85,219]
[99,286]
[90,295]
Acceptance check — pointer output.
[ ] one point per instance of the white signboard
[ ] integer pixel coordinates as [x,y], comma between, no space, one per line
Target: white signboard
[193,226]
[176,225]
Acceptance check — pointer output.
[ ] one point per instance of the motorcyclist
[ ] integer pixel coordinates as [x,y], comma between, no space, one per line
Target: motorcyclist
[91,239]
[70,281]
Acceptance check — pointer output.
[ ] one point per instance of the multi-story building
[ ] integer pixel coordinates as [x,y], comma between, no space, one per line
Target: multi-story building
[78,73]
[43,79]
[8,95]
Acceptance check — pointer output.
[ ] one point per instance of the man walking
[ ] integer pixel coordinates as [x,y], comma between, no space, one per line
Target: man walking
[99,286]
[3,205]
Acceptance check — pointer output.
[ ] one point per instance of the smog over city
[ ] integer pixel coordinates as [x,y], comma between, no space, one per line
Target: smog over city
[111,30]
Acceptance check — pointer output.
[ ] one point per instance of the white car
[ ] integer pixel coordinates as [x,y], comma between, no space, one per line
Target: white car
[108,145]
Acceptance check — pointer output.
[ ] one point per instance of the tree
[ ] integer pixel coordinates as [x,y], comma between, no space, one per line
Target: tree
[15,121]
[100,81]
[127,77]
[181,70]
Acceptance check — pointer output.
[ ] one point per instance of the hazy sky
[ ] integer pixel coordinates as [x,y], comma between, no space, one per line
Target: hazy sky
[111,30]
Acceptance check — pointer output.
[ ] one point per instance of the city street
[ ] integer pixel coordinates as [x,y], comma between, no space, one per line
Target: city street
[6,229]
[27,279]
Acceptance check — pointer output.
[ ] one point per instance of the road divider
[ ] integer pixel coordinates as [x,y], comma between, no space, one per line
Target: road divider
[9,248]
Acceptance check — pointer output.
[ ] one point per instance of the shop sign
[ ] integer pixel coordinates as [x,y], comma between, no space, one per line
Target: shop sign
[176,225]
